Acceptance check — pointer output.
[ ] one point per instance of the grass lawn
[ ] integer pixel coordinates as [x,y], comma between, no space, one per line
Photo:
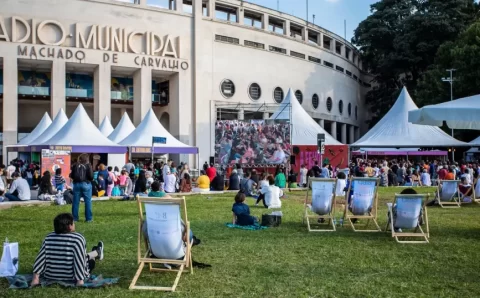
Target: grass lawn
[277,262]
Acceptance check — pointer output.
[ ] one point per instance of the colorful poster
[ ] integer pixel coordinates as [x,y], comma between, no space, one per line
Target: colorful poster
[54,159]
[335,155]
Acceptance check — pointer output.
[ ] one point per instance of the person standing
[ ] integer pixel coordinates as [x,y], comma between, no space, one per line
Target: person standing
[82,176]
[211,172]
[303,176]
[325,172]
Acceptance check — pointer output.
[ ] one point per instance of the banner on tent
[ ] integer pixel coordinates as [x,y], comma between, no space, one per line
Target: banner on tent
[252,142]
[54,159]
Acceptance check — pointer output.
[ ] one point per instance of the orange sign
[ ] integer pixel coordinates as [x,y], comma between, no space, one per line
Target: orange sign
[54,159]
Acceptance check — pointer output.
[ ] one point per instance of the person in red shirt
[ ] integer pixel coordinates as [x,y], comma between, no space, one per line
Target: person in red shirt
[211,172]
[442,173]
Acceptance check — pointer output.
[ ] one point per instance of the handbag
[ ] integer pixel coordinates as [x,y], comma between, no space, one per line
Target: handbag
[269,220]
[9,261]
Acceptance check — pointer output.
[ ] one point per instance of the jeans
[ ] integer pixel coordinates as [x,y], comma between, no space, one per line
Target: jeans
[82,189]
[12,196]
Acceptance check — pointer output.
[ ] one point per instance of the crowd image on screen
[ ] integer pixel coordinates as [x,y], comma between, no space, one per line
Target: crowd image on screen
[254,142]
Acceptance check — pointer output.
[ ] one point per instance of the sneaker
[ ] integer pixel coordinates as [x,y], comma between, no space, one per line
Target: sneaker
[398,230]
[167,266]
[256,204]
[99,249]
[196,241]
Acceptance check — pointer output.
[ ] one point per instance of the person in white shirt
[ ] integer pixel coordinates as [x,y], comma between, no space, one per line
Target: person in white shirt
[425,178]
[303,176]
[169,182]
[278,156]
[10,170]
[272,194]
[19,190]
[166,168]
[341,184]
[467,176]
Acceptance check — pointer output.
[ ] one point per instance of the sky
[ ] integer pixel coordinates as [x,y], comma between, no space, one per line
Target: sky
[329,14]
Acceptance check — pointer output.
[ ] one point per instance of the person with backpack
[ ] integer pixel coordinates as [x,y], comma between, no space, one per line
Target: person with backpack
[111,179]
[82,176]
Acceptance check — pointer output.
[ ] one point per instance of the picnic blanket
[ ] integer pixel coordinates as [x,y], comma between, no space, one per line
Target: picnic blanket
[22,281]
[249,228]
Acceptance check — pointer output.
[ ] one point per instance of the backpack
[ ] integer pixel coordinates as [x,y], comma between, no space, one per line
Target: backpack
[109,179]
[80,172]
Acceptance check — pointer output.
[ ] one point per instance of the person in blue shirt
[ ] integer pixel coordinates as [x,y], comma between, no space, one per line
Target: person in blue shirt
[325,172]
[241,212]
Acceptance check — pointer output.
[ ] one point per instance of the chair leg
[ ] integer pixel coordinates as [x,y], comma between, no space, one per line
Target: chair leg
[137,275]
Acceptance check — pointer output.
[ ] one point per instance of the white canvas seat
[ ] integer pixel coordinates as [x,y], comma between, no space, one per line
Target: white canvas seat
[476,191]
[322,204]
[163,240]
[362,204]
[448,193]
[408,212]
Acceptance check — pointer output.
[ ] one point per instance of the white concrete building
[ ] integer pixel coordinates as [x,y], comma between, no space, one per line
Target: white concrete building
[194,61]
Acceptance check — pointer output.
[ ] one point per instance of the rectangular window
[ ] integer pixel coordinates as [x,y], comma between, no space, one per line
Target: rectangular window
[227,39]
[167,4]
[339,68]
[226,13]
[355,77]
[367,85]
[338,47]
[313,59]
[360,82]
[252,19]
[298,55]
[347,53]
[277,49]
[275,25]
[253,44]
[348,73]
[313,37]
[296,32]
[327,64]
[327,42]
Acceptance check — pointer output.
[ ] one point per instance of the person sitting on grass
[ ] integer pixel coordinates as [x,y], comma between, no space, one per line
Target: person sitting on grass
[203,182]
[280,179]
[60,183]
[156,191]
[19,189]
[241,212]
[63,254]
[272,194]
[186,184]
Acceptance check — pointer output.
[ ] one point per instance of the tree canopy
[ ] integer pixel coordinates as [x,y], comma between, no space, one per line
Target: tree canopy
[399,42]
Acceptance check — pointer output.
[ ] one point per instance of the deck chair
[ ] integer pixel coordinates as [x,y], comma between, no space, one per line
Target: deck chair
[476,191]
[408,212]
[322,203]
[448,194]
[363,203]
[164,238]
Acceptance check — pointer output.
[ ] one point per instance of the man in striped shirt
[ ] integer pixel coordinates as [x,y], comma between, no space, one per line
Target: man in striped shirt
[63,254]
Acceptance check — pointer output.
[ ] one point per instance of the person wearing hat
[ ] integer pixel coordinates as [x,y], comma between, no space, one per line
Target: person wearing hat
[19,190]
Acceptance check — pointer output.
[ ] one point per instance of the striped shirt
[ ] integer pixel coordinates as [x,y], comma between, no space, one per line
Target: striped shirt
[59,180]
[63,257]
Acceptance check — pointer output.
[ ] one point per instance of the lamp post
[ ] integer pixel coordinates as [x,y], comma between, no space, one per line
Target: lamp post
[314,19]
[450,80]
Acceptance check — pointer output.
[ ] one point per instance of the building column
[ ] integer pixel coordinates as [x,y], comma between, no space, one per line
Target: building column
[320,40]
[179,5]
[266,115]
[10,106]
[241,114]
[241,15]
[357,133]
[142,2]
[102,98]
[343,133]
[57,88]
[142,94]
[351,134]
[286,28]
[333,130]
[321,122]
[305,34]
[265,21]
[211,8]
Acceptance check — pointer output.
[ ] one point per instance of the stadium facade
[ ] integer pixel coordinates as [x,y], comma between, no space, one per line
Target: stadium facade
[193,61]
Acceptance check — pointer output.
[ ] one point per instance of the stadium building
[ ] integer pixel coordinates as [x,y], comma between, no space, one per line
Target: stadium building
[193,61]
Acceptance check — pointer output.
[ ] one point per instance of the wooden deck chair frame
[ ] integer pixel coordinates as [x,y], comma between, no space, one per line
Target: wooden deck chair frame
[456,203]
[330,217]
[372,215]
[144,259]
[476,196]
[418,230]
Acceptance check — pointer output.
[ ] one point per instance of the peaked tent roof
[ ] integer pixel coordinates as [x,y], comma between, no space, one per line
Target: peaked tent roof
[79,131]
[123,129]
[151,127]
[475,142]
[106,127]
[394,130]
[57,124]
[304,128]
[39,129]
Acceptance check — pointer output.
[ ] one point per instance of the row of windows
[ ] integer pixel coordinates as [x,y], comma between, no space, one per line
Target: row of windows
[227,87]
[258,45]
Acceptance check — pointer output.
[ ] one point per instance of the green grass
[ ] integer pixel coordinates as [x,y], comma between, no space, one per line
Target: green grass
[278,262]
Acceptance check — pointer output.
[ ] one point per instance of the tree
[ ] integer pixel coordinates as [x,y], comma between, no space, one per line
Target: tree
[399,41]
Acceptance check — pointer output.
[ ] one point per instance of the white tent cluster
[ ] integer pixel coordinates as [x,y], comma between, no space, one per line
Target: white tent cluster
[394,130]
[304,128]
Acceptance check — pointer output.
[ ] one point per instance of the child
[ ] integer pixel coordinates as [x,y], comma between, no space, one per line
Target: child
[67,248]
[101,185]
[156,192]
[241,212]
[186,184]
[59,180]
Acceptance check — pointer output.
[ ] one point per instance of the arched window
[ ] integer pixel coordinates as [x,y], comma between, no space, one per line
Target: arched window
[227,88]
[356,113]
[278,95]
[254,91]
[329,104]
[299,96]
[340,106]
[349,109]
[315,101]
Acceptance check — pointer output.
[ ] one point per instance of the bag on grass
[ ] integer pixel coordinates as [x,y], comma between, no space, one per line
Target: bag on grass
[68,196]
[269,220]
[9,262]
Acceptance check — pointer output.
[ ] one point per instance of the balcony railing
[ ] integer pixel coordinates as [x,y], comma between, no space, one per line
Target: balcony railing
[35,91]
[79,93]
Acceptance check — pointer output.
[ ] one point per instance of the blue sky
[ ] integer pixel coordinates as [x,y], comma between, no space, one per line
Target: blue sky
[329,14]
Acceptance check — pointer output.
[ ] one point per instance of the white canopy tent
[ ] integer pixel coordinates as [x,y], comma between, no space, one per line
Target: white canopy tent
[462,113]
[394,130]
[106,127]
[79,131]
[56,125]
[124,128]
[39,129]
[150,127]
[475,142]
[304,129]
